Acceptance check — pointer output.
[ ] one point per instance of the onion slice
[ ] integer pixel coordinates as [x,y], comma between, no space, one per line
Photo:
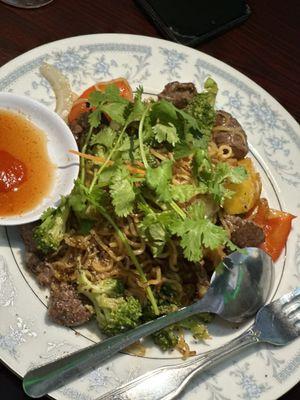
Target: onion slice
[62,89]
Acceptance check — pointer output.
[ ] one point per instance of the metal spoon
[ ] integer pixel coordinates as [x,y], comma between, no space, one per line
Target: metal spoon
[240,286]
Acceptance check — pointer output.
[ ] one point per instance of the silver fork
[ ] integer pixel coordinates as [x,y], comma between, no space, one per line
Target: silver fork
[277,323]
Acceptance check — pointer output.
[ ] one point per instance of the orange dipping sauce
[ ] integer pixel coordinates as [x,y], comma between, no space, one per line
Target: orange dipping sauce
[26,171]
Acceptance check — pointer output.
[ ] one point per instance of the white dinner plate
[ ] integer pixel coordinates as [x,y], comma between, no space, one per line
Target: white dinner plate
[28,339]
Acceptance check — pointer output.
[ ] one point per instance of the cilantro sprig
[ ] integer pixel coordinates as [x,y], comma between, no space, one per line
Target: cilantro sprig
[215,176]
[197,232]
[123,192]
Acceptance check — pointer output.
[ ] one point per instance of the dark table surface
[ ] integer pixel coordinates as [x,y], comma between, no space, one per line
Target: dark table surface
[265,48]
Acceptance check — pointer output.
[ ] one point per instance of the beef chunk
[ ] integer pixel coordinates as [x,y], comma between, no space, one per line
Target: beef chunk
[33,259]
[66,306]
[27,236]
[41,269]
[233,134]
[180,94]
[45,274]
[244,233]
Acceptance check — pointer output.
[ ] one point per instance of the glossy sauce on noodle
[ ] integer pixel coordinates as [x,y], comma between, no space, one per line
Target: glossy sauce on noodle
[26,172]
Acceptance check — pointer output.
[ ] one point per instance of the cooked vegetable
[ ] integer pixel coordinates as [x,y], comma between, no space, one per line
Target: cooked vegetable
[216,177]
[276,226]
[202,108]
[245,194]
[277,231]
[114,312]
[166,339]
[196,326]
[102,160]
[62,89]
[49,234]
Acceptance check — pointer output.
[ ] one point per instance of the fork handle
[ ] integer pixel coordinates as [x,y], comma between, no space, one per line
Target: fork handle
[167,382]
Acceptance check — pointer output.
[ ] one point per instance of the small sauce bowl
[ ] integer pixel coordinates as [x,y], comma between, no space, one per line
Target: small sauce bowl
[59,140]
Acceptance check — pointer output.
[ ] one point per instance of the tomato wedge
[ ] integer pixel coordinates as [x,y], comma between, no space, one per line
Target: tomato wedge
[259,214]
[276,225]
[277,231]
[81,104]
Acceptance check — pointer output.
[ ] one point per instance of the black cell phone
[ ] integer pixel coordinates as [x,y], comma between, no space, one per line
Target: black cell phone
[193,21]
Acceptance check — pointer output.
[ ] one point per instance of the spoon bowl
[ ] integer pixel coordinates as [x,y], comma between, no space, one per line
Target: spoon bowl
[241,284]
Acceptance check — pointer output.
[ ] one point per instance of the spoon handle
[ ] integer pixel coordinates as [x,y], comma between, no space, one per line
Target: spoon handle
[46,378]
[174,377]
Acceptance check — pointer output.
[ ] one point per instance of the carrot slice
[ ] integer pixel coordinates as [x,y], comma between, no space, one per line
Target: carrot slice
[102,160]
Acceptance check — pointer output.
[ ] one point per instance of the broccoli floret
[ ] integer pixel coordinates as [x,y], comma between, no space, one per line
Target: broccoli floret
[109,287]
[202,109]
[119,315]
[163,309]
[166,339]
[169,295]
[49,234]
[196,327]
[114,312]
[205,317]
[167,308]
